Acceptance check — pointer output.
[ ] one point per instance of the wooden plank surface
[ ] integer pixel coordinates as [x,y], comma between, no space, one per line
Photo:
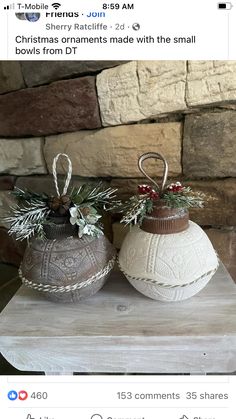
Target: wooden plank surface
[119,330]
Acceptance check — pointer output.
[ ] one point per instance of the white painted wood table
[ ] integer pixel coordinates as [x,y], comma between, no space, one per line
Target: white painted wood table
[120,331]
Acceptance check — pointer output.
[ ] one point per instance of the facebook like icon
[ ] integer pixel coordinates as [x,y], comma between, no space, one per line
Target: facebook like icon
[12,395]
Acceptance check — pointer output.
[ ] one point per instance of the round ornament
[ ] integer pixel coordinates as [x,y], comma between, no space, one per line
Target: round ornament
[68,257]
[166,257]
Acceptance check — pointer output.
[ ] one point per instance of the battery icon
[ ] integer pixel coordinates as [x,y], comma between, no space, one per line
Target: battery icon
[226,6]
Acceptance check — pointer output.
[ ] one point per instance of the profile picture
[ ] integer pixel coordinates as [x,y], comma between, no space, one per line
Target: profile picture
[31,17]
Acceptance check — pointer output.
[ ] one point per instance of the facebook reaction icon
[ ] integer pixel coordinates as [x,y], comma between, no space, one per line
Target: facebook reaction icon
[12,395]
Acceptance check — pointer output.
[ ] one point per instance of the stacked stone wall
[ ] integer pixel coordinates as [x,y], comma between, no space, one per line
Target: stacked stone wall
[104,115]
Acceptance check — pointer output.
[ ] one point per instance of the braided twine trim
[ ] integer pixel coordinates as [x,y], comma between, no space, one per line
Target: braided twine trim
[160,284]
[68,288]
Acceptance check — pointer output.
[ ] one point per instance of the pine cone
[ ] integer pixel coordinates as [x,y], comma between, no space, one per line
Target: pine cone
[60,204]
[85,210]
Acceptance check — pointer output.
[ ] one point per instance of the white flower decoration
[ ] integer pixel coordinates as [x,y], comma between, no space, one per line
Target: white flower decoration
[86,223]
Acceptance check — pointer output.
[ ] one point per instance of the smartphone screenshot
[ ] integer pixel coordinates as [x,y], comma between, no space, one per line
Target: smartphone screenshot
[118,209]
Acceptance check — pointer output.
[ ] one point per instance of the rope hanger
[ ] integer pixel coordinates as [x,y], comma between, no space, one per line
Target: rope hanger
[69,174]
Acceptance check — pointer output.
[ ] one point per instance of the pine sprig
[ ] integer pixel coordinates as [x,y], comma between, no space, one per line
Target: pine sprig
[174,196]
[28,195]
[27,220]
[98,196]
[101,196]
[135,209]
[195,200]
[82,206]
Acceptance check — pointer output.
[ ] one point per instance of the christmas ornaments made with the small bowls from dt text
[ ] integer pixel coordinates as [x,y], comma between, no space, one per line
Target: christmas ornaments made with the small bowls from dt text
[68,257]
[165,256]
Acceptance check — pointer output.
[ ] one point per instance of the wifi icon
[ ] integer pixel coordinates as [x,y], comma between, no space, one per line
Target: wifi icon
[56,5]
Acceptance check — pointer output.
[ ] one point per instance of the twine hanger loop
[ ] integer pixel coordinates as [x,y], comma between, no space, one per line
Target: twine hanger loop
[69,173]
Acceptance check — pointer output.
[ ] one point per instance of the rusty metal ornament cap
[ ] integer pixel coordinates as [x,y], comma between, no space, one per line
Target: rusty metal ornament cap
[162,219]
[165,220]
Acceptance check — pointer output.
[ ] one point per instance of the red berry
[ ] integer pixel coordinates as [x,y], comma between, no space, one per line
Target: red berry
[148,189]
[179,188]
[175,187]
[144,189]
[140,189]
[154,195]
